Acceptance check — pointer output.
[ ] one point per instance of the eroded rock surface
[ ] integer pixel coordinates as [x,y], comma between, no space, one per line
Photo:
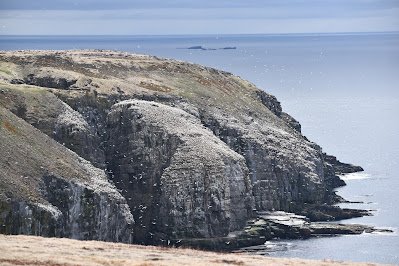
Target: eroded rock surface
[178,177]
[45,189]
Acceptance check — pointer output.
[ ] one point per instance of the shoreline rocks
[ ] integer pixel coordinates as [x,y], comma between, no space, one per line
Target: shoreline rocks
[271,225]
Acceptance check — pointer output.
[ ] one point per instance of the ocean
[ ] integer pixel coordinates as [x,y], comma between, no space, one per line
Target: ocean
[342,88]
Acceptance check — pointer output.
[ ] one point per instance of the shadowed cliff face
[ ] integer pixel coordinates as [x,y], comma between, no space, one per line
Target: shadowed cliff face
[192,149]
[46,189]
[178,177]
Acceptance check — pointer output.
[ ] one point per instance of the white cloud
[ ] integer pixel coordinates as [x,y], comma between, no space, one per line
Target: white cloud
[194,21]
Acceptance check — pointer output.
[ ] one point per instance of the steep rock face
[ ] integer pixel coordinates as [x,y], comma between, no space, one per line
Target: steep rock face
[75,210]
[54,118]
[45,189]
[286,170]
[270,102]
[178,178]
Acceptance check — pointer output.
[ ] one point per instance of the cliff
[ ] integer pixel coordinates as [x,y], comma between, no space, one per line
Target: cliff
[178,177]
[46,189]
[194,152]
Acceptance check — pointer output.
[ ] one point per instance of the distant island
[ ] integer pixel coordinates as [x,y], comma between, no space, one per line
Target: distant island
[199,47]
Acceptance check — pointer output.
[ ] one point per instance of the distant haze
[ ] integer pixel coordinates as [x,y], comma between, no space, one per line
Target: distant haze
[156,17]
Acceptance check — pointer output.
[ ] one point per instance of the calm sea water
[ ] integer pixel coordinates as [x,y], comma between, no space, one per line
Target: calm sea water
[342,88]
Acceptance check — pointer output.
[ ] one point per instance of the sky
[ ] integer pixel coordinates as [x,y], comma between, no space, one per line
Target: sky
[161,17]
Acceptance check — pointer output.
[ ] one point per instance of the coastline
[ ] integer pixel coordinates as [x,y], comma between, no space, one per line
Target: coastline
[308,221]
[313,212]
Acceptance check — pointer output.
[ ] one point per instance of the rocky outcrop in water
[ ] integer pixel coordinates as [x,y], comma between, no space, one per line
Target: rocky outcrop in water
[282,225]
[339,167]
[193,151]
[276,225]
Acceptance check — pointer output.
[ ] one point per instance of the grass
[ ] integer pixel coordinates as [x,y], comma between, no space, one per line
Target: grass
[155,87]
[4,68]
[23,88]
[9,127]
[28,250]
[6,72]
[27,154]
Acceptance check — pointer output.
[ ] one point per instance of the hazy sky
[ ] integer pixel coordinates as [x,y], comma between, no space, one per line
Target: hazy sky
[150,17]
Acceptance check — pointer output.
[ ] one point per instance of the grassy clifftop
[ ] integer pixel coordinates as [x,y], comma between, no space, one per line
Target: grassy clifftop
[109,72]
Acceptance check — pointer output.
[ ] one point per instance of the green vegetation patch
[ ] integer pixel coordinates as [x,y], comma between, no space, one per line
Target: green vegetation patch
[5,71]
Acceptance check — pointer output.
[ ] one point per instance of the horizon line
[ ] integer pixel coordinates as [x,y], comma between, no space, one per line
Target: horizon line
[216,34]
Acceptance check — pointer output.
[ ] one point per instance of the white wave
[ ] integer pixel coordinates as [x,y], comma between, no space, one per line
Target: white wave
[355,176]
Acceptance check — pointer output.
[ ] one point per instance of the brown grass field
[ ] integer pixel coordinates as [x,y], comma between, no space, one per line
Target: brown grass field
[30,250]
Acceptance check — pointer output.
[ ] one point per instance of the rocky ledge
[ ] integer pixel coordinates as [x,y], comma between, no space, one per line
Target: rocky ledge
[276,225]
[124,147]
